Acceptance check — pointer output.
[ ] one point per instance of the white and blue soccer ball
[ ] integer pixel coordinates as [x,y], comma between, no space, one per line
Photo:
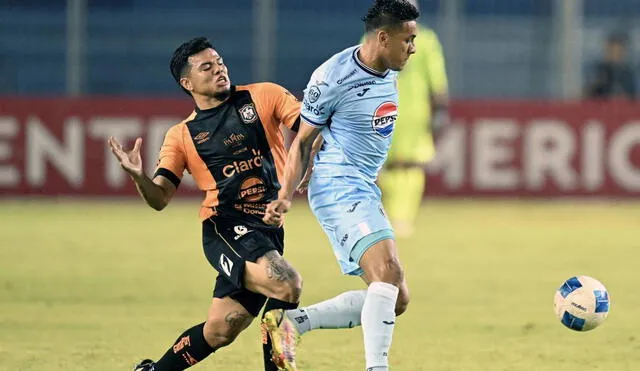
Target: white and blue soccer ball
[582,303]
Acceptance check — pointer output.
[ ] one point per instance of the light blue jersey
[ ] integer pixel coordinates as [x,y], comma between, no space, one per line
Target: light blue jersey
[356,109]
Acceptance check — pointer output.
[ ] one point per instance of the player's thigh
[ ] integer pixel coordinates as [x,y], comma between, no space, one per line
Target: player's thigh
[273,276]
[249,259]
[353,226]
[226,319]
[380,262]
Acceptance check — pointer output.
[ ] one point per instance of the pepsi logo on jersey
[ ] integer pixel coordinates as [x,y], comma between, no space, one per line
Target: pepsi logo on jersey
[384,118]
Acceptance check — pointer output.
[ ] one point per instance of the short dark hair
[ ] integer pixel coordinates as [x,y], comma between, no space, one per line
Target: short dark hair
[389,14]
[180,58]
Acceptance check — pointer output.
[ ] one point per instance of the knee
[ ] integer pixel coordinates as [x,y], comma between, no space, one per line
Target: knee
[290,289]
[403,301]
[275,278]
[389,270]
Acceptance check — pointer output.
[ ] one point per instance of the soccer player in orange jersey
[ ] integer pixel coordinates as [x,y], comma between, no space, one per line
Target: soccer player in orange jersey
[233,147]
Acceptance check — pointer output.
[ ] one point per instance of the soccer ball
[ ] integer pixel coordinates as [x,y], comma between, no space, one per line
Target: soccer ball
[582,303]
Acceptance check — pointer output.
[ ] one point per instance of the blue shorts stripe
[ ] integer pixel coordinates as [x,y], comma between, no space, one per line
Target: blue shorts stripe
[369,240]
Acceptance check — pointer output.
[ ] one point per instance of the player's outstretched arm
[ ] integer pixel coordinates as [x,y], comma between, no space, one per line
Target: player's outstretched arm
[157,192]
[298,159]
[297,162]
[304,183]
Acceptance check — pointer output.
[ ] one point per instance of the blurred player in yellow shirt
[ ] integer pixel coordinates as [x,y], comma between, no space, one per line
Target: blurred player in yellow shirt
[422,112]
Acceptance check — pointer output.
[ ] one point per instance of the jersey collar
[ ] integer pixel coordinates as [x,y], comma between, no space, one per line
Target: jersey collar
[366,68]
[215,109]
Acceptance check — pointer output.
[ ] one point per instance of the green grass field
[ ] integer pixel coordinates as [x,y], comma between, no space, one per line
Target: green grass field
[98,286]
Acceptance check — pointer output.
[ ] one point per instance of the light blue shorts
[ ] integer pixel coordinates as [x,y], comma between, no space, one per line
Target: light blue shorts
[350,212]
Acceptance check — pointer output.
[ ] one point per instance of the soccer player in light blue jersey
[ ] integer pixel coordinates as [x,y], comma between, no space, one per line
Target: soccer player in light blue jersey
[352,101]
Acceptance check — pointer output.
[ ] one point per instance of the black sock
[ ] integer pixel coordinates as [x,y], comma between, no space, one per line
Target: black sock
[190,348]
[266,347]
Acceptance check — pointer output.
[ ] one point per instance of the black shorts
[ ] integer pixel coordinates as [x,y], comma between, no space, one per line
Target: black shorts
[228,245]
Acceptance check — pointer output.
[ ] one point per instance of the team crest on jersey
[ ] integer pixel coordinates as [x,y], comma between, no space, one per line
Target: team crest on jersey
[314,94]
[248,113]
[384,118]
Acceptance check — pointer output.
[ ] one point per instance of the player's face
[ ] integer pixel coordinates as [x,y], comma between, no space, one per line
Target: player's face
[208,75]
[400,46]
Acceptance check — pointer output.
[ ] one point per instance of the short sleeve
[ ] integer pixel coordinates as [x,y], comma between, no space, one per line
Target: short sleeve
[276,105]
[319,99]
[172,160]
[286,106]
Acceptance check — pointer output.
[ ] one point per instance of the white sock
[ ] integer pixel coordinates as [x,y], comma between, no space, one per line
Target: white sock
[343,311]
[378,320]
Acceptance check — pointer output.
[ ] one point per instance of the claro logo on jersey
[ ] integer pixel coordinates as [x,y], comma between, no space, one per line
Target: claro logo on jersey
[384,118]
[314,109]
[238,167]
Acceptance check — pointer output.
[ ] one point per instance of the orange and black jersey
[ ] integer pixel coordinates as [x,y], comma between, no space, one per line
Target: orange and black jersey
[235,152]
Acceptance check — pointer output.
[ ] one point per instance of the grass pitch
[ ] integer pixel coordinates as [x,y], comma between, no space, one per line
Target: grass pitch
[99,286]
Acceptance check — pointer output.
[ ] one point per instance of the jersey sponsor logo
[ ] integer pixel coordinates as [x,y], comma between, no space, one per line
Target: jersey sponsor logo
[233,139]
[202,137]
[252,189]
[384,118]
[248,113]
[239,151]
[343,79]
[314,94]
[314,109]
[226,264]
[361,84]
[251,208]
[238,167]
